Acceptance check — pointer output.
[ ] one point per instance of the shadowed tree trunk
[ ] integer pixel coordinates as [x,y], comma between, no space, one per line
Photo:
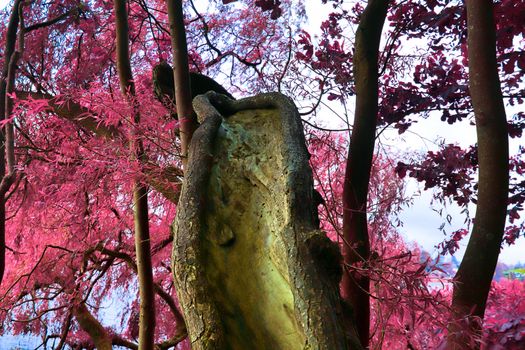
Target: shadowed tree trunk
[473,279]
[356,285]
[6,79]
[140,190]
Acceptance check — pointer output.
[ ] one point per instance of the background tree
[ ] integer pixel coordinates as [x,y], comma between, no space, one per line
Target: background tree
[474,276]
[356,285]
[437,22]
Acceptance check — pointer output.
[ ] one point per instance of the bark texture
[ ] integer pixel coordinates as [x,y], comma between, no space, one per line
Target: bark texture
[356,285]
[251,269]
[473,279]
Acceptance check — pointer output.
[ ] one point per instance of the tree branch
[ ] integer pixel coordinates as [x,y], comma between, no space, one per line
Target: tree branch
[73,11]
[93,327]
[181,327]
[72,111]
[65,332]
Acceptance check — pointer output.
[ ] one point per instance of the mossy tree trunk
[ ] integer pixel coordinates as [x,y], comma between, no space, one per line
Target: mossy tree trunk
[252,270]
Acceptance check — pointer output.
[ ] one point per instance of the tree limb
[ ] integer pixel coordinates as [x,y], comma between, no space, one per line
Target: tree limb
[73,11]
[93,327]
[72,111]
[181,328]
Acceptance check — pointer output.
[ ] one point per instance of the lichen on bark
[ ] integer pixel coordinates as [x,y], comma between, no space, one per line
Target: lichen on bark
[246,249]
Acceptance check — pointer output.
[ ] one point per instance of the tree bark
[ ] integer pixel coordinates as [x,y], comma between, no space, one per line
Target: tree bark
[89,324]
[473,279]
[10,43]
[356,285]
[187,120]
[140,190]
[251,268]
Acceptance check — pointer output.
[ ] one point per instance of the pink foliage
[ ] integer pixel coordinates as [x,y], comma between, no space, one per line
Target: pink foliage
[70,216]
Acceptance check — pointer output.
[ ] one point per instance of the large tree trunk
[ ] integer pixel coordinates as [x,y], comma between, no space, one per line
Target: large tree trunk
[356,249]
[473,279]
[251,269]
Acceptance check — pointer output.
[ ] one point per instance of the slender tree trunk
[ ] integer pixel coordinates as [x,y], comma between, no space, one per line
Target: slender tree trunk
[140,191]
[473,279]
[187,120]
[7,76]
[356,286]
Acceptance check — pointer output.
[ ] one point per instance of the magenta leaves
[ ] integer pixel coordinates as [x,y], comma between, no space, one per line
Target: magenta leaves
[449,170]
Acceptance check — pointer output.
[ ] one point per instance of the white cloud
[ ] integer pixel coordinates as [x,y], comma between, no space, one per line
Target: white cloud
[3,3]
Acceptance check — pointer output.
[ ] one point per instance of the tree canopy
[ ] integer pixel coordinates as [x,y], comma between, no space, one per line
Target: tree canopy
[93,158]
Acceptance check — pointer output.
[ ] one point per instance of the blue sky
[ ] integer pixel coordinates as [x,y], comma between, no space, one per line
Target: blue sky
[421,223]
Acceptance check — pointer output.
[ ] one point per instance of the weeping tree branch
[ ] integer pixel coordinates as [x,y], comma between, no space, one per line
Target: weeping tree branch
[75,11]
[82,116]
[72,111]
[180,331]
[181,328]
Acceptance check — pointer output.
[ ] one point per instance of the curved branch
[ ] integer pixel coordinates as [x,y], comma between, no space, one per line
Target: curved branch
[65,332]
[93,327]
[181,327]
[324,129]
